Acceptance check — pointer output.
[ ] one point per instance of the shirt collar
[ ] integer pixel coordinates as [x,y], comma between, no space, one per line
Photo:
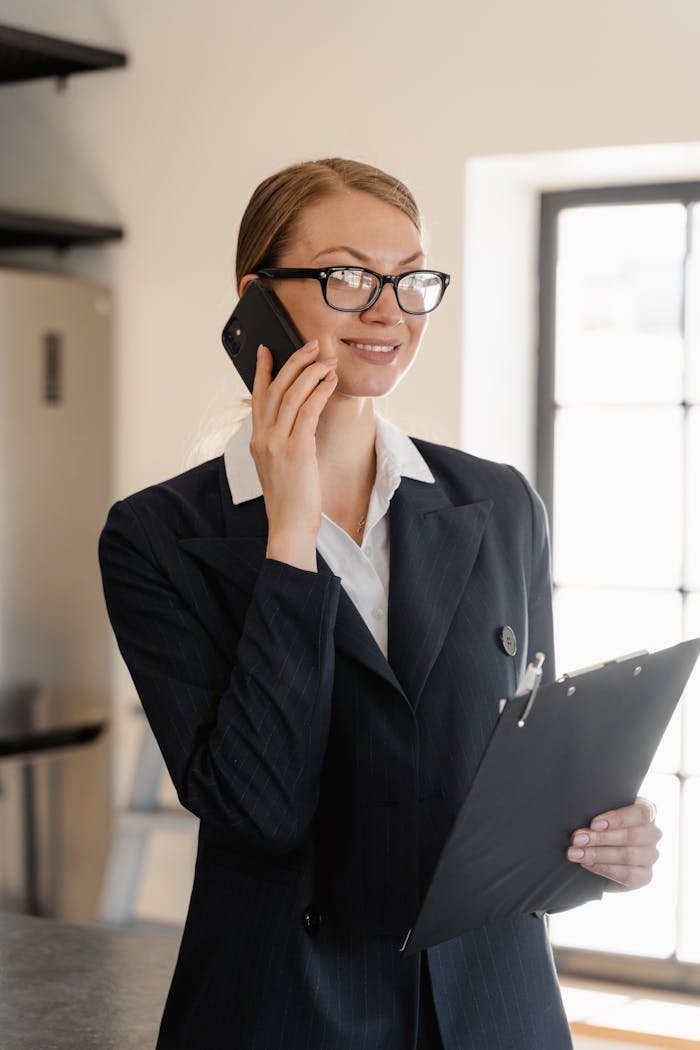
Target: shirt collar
[397,456]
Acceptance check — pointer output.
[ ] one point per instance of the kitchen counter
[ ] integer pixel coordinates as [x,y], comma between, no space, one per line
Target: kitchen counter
[80,987]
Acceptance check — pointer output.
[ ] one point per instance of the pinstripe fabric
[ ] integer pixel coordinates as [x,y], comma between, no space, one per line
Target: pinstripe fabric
[327,777]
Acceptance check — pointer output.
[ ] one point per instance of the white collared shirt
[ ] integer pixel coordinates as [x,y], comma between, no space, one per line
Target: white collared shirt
[363,569]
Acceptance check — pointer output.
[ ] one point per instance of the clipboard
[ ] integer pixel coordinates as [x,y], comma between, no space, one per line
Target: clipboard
[581,745]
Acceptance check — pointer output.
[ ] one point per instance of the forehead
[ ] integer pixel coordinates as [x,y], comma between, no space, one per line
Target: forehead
[356,220]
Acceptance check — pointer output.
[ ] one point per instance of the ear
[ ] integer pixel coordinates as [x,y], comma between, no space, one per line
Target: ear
[245,281]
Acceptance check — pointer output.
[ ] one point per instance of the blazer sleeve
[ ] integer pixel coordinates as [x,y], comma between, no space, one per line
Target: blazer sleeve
[243,744]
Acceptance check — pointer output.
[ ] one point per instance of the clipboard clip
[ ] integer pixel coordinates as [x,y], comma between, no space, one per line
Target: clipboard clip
[605,663]
[533,674]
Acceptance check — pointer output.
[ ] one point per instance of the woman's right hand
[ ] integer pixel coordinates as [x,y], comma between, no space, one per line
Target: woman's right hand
[285,414]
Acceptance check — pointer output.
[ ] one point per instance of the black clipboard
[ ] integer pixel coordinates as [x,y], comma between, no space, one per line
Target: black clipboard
[584,746]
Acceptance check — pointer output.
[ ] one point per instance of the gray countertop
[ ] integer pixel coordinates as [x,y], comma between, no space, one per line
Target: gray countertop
[79,987]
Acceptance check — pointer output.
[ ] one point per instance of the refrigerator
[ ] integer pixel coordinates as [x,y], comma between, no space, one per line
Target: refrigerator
[54,634]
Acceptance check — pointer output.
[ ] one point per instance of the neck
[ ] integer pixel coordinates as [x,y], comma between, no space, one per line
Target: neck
[345,438]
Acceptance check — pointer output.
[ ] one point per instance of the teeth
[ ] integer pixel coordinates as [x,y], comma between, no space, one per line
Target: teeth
[371,346]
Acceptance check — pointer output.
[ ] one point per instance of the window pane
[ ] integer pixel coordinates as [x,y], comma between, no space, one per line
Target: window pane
[639,922]
[689,947]
[691,698]
[693,310]
[618,496]
[593,625]
[619,304]
[692,553]
[626,517]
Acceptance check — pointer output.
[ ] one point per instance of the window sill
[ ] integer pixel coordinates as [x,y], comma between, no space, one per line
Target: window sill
[633,1016]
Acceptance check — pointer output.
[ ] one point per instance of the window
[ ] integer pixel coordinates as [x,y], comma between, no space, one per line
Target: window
[619,467]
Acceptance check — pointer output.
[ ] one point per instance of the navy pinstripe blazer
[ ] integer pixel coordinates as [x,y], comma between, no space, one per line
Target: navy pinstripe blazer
[326,777]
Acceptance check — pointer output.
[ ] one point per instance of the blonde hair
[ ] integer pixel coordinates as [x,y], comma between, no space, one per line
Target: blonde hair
[270,220]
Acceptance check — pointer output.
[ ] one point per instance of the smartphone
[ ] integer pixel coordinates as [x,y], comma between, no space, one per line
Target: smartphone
[259,317]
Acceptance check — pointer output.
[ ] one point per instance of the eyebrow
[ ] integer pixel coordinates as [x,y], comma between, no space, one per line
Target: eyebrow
[361,256]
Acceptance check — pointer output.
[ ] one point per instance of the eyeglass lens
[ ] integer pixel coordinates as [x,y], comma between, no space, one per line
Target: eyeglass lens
[354,288]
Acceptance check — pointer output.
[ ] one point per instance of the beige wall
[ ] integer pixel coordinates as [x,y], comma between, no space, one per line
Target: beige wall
[220,93]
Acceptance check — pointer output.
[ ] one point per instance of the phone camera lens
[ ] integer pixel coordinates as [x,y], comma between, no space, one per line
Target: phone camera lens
[233,338]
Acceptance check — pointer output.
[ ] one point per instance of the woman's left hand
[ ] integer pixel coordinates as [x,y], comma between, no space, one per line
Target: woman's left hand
[620,844]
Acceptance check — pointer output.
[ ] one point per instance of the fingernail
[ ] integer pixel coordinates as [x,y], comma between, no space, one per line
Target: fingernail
[599,825]
[260,351]
[313,345]
[580,840]
[575,854]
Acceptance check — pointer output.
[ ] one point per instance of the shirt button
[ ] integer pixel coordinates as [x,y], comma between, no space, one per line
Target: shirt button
[378,614]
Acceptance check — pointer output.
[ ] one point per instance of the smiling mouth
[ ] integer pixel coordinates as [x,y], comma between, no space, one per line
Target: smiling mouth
[378,348]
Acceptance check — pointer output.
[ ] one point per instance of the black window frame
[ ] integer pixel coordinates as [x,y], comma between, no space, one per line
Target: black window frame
[659,974]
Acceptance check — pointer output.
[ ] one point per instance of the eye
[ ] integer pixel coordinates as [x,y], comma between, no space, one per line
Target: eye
[419,291]
[352,278]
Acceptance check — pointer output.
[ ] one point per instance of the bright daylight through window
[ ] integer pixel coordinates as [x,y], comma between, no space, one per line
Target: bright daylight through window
[625,493]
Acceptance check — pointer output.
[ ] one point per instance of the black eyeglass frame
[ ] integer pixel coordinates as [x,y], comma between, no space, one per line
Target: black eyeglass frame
[322,276]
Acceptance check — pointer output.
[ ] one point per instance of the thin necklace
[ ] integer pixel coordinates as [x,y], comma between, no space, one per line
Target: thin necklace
[361,524]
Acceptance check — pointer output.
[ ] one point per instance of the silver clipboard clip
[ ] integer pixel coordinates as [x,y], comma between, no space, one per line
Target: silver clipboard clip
[534,671]
[605,663]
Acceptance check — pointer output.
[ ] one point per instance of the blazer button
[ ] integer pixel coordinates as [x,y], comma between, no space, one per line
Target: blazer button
[508,640]
[313,920]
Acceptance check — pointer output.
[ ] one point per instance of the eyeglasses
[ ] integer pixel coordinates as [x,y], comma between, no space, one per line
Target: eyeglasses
[352,289]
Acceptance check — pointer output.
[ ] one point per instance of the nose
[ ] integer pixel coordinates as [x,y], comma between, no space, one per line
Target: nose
[386,310]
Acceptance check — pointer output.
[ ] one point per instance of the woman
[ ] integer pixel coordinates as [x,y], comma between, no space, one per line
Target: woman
[314,624]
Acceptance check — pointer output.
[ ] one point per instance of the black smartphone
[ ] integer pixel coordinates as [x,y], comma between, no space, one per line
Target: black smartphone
[259,317]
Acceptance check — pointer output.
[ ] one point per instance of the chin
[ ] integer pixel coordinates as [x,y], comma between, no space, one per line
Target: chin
[364,387]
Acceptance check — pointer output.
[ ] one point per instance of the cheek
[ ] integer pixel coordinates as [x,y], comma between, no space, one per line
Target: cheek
[309,312]
[417,328]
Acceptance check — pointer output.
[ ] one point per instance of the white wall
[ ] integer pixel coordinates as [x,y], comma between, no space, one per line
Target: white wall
[220,93]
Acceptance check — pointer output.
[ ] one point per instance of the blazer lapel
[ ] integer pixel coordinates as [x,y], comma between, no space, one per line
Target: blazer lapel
[433,547]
